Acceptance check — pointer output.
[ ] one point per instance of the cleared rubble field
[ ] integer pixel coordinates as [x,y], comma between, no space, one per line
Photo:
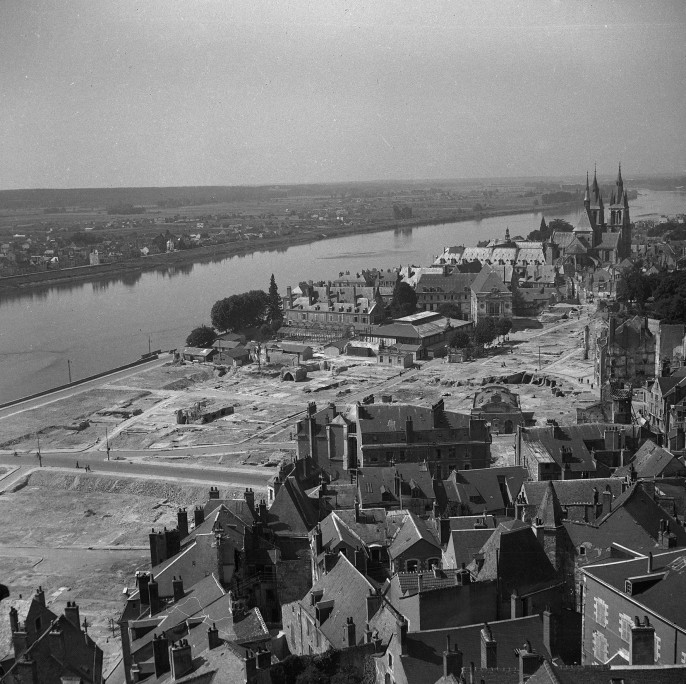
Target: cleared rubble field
[62,423]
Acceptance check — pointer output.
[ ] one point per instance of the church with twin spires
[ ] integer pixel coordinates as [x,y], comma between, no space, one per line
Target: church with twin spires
[602,235]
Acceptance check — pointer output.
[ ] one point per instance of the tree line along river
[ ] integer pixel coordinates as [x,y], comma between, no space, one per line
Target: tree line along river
[109,322]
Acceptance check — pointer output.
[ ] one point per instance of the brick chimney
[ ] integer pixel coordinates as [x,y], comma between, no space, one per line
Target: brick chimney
[642,646]
[607,501]
[489,651]
[529,662]
[549,632]
[264,659]
[349,633]
[401,634]
[20,641]
[160,654]
[40,596]
[177,588]
[249,496]
[182,522]
[199,516]
[26,670]
[249,667]
[14,620]
[452,660]
[374,601]
[154,596]
[142,580]
[71,612]
[213,639]
[181,659]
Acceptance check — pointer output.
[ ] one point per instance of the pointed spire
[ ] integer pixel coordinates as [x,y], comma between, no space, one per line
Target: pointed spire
[619,175]
[550,510]
[626,200]
[596,189]
[587,194]
[612,197]
[544,225]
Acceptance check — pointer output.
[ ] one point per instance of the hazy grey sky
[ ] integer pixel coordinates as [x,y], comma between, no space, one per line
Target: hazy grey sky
[165,92]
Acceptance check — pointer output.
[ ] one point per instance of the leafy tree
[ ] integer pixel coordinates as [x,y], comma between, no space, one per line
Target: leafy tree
[634,286]
[503,327]
[404,302]
[485,331]
[202,337]
[240,311]
[274,312]
[461,339]
[560,225]
[312,675]
[449,310]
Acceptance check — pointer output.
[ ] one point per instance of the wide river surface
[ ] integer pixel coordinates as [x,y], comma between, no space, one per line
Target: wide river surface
[109,322]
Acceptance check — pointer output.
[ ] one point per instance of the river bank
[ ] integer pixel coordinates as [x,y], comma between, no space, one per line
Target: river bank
[210,253]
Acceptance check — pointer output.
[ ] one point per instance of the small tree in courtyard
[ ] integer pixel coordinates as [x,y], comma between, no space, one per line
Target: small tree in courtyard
[274,313]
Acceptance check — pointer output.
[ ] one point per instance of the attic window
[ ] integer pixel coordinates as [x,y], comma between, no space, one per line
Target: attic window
[582,551]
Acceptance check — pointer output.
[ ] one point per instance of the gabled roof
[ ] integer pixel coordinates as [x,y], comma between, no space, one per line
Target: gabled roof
[346,590]
[487,281]
[464,545]
[652,460]
[603,674]
[514,556]
[412,531]
[292,513]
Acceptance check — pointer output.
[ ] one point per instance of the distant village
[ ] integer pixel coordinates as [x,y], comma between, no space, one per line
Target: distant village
[390,549]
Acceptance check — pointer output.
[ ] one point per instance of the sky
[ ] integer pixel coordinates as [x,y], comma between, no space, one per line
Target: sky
[106,93]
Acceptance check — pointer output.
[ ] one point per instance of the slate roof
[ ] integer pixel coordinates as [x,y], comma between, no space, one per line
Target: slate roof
[372,528]
[603,674]
[432,579]
[563,238]
[347,589]
[373,482]
[464,545]
[609,240]
[424,661]
[514,555]
[455,282]
[292,512]
[659,597]
[571,492]
[480,487]
[652,460]
[488,280]
[22,606]
[413,530]
[385,417]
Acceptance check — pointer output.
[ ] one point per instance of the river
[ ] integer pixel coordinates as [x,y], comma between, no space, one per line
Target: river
[108,322]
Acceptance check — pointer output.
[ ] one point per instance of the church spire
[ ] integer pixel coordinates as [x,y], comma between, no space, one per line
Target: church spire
[587,194]
[596,189]
[620,185]
[507,234]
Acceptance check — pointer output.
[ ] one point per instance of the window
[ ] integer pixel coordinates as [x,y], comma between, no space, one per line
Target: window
[599,647]
[625,625]
[600,608]
[658,645]
[412,566]
[390,660]
[434,562]
[582,550]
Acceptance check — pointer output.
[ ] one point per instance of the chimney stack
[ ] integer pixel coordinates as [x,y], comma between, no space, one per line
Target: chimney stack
[249,497]
[71,612]
[177,588]
[182,522]
[642,651]
[264,659]
[529,662]
[349,633]
[142,580]
[40,596]
[214,493]
[160,654]
[452,660]
[154,595]
[249,667]
[181,659]
[607,500]
[213,639]
[199,516]
[489,651]
[361,560]
[401,634]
